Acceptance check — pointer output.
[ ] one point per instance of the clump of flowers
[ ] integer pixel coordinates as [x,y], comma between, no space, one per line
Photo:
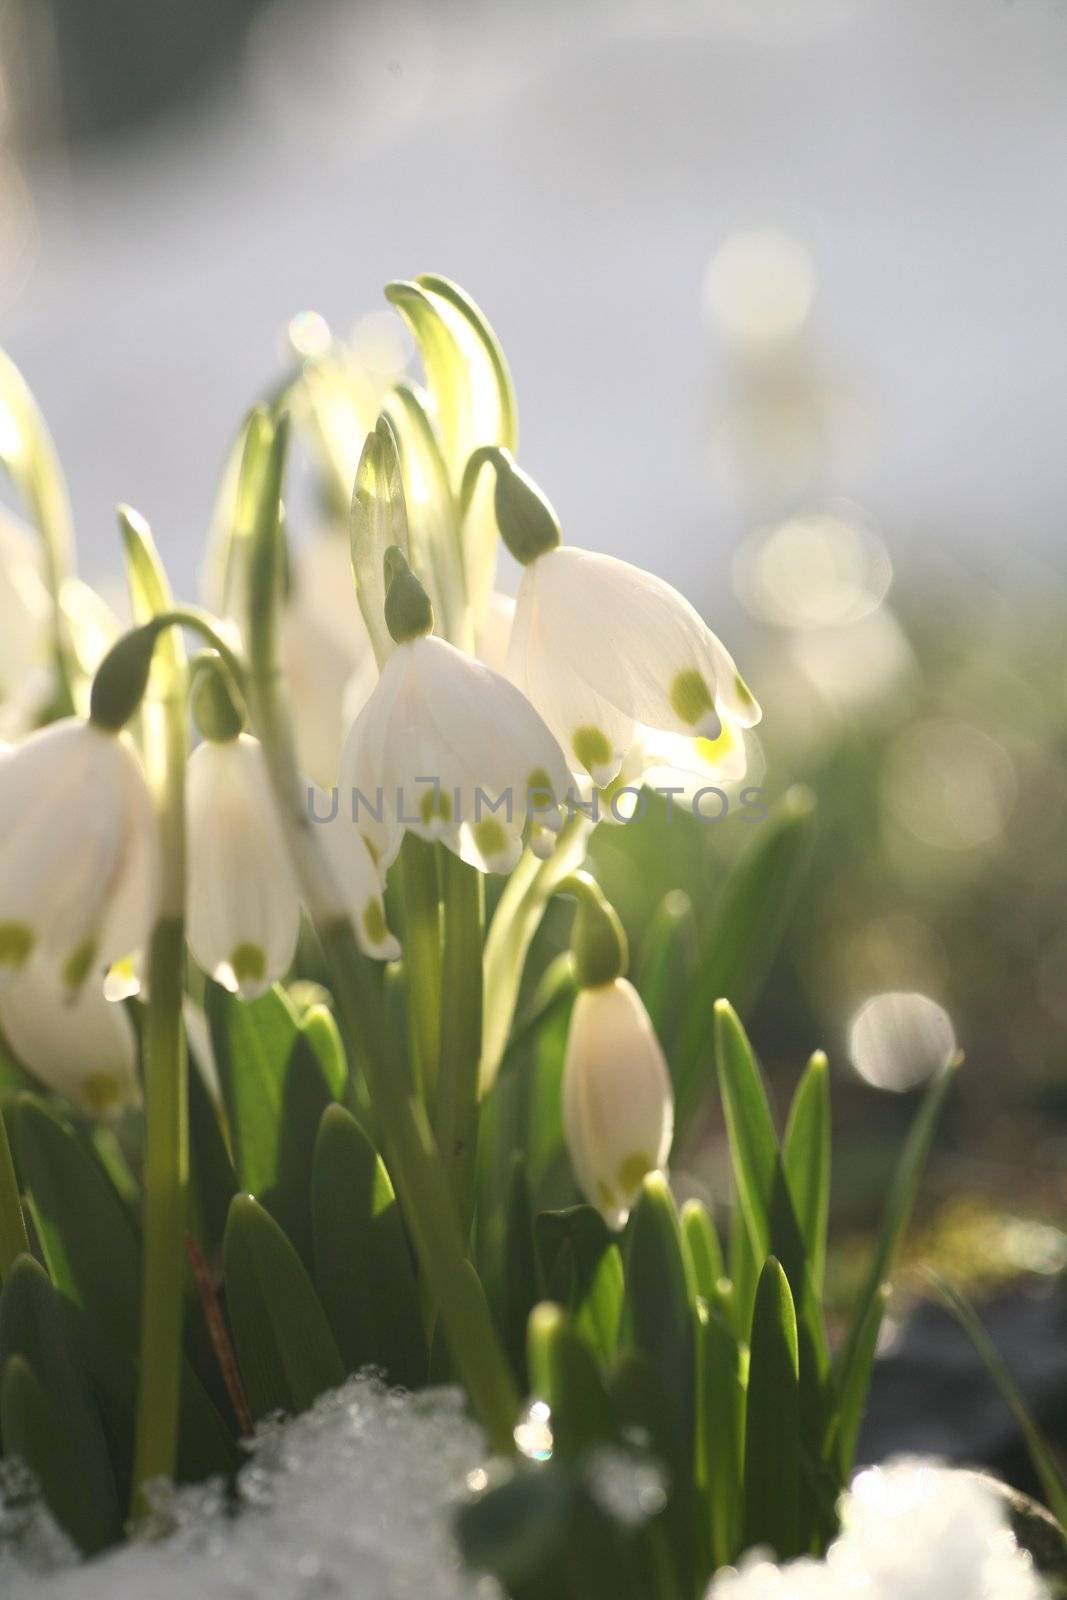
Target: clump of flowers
[295,1083]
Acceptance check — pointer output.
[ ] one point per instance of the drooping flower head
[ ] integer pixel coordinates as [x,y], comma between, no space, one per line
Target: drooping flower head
[605,650]
[79,851]
[447,748]
[83,1047]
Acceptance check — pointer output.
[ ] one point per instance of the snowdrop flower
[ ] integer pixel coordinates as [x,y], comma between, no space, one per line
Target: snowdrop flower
[359,887]
[82,1047]
[79,851]
[243,918]
[599,646]
[447,747]
[618,1103]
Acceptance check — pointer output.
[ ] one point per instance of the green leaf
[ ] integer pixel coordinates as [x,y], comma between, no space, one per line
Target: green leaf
[319,1027]
[857,1353]
[720,1431]
[436,550]
[705,1251]
[772,1426]
[363,1270]
[1052,1480]
[664,975]
[657,1318]
[379,519]
[517,918]
[852,1397]
[285,1351]
[746,925]
[275,1092]
[212,1180]
[93,1255]
[35,1330]
[806,1156]
[564,1373]
[582,1269]
[521,1288]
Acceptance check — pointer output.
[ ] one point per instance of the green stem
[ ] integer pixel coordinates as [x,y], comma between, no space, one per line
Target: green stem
[165,1180]
[13,1239]
[422,958]
[456,1121]
[166,1163]
[409,1148]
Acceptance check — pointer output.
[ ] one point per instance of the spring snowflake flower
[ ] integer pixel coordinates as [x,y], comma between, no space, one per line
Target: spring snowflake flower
[79,851]
[449,749]
[243,902]
[359,888]
[82,1047]
[618,1105]
[601,647]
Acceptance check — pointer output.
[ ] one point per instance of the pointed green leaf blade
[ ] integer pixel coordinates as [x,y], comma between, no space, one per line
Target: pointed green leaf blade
[35,1328]
[285,1350]
[772,1427]
[582,1269]
[657,1304]
[806,1156]
[363,1270]
[564,1373]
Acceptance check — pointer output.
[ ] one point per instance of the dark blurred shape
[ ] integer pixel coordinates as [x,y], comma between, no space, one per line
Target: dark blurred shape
[117,63]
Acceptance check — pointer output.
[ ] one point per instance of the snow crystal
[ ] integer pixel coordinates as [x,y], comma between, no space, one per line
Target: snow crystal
[356,1497]
[910,1530]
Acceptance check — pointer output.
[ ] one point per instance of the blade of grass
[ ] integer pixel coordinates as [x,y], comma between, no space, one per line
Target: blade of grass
[806,1156]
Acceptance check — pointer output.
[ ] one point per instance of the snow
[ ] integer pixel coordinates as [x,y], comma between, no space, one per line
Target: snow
[356,1497]
[911,1530]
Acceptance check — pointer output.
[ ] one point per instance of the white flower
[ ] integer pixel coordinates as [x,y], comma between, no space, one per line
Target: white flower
[451,750]
[326,652]
[359,888]
[81,1046]
[243,902]
[618,1104]
[492,638]
[600,646]
[79,851]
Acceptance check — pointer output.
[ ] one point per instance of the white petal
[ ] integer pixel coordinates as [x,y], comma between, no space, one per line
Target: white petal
[134,900]
[359,888]
[545,663]
[618,1106]
[84,1048]
[244,906]
[493,637]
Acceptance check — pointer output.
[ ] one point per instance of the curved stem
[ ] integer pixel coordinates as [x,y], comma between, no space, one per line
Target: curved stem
[456,1106]
[409,1148]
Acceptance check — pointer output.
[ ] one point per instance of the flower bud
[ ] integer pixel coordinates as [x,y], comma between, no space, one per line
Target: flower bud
[618,1104]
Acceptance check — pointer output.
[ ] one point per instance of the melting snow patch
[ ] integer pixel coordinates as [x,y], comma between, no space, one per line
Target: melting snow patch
[911,1530]
[356,1497]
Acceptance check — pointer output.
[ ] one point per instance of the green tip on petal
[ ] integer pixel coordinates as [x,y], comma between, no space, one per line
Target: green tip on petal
[692,703]
[633,1169]
[16,944]
[593,749]
[78,963]
[374,923]
[248,963]
[435,803]
[490,838]
[101,1092]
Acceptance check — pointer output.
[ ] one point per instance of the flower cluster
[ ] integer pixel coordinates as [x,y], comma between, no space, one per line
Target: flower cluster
[489,711]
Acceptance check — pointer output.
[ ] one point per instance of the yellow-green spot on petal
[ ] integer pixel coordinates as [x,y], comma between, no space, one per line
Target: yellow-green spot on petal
[248,964]
[606,1197]
[690,697]
[435,803]
[713,750]
[632,1171]
[592,747]
[539,786]
[374,924]
[77,965]
[743,692]
[490,838]
[372,849]
[101,1092]
[16,944]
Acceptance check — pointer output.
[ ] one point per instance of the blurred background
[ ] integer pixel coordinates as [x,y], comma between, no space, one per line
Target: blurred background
[781,286]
